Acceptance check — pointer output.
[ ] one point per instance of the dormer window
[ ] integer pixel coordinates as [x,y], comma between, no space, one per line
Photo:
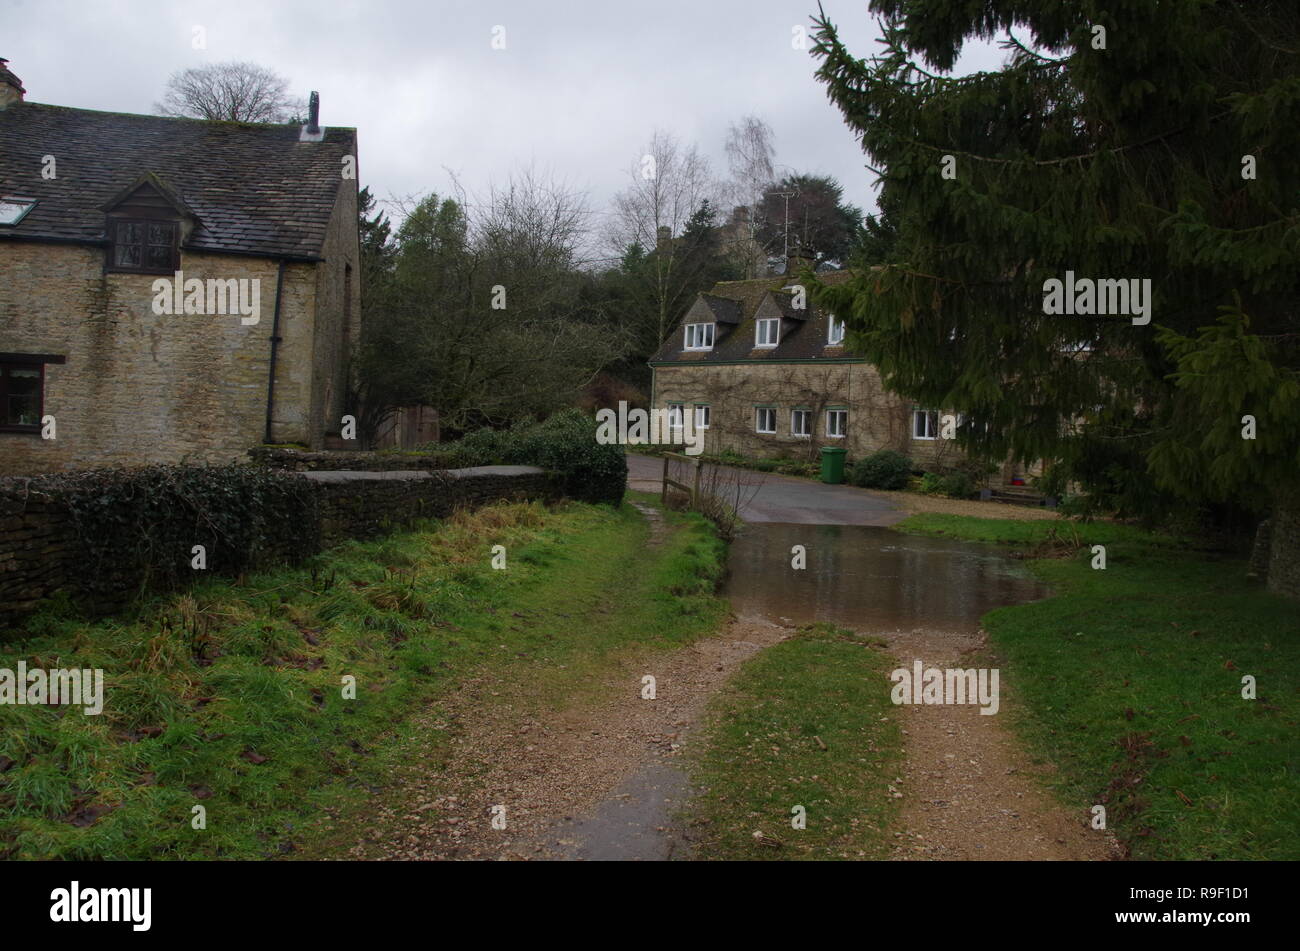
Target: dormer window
[139,244]
[146,223]
[834,332]
[699,336]
[12,210]
[767,332]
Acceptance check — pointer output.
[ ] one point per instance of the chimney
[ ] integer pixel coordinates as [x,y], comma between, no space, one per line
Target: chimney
[796,260]
[740,215]
[11,87]
[663,238]
[312,132]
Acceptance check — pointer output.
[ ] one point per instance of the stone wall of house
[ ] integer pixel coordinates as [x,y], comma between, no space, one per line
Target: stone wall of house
[877,418]
[141,387]
[337,316]
[41,555]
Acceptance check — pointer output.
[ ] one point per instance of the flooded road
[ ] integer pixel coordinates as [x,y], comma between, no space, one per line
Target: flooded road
[871,579]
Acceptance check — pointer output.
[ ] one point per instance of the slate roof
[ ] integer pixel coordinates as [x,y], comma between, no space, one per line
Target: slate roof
[803,332]
[255,188]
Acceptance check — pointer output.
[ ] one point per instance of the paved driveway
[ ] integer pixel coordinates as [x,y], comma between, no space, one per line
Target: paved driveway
[781,498]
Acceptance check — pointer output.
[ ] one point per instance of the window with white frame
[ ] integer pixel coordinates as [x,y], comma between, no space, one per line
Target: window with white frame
[834,332]
[837,423]
[801,422]
[699,336]
[767,332]
[764,419]
[675,415]
[925,424]
[702,415]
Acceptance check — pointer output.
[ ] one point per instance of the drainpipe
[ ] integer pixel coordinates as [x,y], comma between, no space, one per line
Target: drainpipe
[275,345]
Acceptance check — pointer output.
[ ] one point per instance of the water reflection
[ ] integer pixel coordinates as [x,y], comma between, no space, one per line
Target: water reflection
[868,578]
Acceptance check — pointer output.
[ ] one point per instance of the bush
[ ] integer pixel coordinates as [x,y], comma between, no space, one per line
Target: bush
[956,484]
[885,469]
[564,444]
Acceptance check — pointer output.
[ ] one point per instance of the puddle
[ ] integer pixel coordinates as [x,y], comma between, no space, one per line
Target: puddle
[871,579]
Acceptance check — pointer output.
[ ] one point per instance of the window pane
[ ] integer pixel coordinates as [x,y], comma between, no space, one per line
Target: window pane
[160,234]
[128,255]
[159,257]
[23,406]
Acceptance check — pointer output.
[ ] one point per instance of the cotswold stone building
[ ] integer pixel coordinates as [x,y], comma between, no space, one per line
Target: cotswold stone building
[767,377]
[250,343]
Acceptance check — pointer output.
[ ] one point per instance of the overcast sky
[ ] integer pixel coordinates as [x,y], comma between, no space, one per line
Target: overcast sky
[577,91]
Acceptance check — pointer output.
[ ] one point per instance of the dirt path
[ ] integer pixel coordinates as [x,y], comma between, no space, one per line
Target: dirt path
[594,781]
[968,790]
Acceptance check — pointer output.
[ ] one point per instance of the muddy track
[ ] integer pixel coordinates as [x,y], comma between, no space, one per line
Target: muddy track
[967,789]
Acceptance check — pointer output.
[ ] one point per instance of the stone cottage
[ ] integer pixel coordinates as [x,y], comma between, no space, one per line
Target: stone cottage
[765,373]
[170,289]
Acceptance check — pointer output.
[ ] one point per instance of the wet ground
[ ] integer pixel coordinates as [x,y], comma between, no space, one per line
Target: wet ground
[870,579]
[859,577]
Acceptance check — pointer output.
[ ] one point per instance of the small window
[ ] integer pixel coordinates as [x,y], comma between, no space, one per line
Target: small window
[702,416]
[764,419]
[801,422]
[699,336]
[835,332]
[837,423]
[22,392]
[143,245]
[12,210]
[925,424]
[767,332]
[675,415]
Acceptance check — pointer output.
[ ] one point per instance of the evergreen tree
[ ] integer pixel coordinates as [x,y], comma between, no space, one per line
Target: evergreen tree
[811,212]
[1134,140]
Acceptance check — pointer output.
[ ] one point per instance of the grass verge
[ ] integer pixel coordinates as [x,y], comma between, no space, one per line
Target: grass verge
[230,696]
[1129,680]
[761,754]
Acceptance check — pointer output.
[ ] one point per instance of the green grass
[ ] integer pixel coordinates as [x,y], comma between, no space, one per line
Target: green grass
[760,756]
[229,696]
[1129,680]
[1028,533]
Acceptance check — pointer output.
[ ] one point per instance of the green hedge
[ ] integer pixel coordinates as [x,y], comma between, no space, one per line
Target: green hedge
[564,444]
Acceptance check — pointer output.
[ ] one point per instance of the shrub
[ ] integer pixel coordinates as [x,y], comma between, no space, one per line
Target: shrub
[957,485]
[885,469]
[930,483]
[564,444]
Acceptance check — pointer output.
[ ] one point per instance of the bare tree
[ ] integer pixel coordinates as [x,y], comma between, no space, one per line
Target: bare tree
[749,158]
[669,184]
[234,92]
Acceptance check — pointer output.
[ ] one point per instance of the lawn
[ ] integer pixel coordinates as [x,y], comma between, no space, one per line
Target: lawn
[230,696]
[1129,680]
[804,723]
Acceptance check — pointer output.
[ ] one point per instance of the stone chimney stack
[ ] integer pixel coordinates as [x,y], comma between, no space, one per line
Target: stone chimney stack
[663,239]
[11,87]
[312,132]
[796,260]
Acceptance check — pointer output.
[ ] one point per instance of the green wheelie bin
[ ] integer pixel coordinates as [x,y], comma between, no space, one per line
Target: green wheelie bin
[832,465]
